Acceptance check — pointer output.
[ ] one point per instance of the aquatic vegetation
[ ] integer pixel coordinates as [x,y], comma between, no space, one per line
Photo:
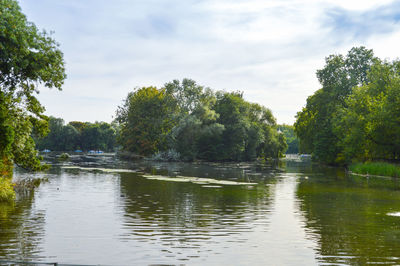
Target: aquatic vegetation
[376,168]
[196,180]
[170,155]
[64,156]
[106,170]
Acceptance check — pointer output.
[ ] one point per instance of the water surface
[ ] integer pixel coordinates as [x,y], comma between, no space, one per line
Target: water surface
[295,213]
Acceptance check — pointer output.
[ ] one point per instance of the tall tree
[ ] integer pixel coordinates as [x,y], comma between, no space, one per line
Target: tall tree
[77,135]
[198,124]
[368,125]
[291,139]
[28,58]
[314,124]
[146,119]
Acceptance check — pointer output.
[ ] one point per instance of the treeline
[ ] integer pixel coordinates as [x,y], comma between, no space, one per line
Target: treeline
[188,121]
[77,136]
[291,139]
[355,116]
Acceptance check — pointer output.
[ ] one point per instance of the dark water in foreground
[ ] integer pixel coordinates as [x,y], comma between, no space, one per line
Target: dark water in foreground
[296,214]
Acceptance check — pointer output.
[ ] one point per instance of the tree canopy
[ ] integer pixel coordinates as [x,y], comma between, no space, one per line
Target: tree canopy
[77,136]
[29,58]
[355,115]
[368,125]
[197,123]
[291,138]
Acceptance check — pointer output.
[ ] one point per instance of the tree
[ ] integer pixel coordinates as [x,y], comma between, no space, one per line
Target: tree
[232,109]
[28,58]
[195,115]
[291,139]
[54,140]
[314,124]
[146,118]
[87,136]
[198,124]
[250,129]
[369,123]
[188,94]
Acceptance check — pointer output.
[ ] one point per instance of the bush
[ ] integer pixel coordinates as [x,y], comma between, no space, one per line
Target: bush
[7,192]
[64,156]
[376,168]
[170,156]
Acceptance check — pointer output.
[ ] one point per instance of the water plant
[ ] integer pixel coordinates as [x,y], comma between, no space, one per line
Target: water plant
[64,156]
[170,155]
[376,168]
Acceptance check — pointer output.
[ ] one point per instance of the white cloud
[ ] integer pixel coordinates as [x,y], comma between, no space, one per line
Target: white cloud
[268,49]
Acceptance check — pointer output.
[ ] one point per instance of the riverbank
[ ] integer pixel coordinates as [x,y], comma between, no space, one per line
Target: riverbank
[376,168]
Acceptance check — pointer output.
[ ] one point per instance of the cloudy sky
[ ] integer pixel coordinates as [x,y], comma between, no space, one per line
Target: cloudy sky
[268,49]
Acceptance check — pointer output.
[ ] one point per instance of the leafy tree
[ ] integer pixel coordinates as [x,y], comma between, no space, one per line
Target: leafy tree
[188,95]
[197,123]
[369,123]
[70,138]
[196,114]
[28,58]
[209,143]
[232,109]
[78,125]
[146,118]
[185,136]
[98,136]
[314,124]
[250,129]
[291,139]
[88,136]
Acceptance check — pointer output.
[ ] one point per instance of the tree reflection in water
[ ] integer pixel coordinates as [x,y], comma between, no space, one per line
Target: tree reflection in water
[190,215]
[349,213]
[22,229]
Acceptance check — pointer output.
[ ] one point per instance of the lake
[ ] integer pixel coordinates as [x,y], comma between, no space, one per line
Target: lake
[100,210]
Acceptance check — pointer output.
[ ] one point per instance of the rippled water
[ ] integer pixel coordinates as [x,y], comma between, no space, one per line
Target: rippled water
[296,213]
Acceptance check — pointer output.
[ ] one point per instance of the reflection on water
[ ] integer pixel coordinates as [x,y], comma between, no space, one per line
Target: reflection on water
[297,213]
[350,216]
[189,221]
[21,229]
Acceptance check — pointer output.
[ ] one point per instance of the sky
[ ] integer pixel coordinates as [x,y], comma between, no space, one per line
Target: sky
[269,49]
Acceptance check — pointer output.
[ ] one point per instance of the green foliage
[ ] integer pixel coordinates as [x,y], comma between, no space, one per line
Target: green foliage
[185,136]
[28,58]
[198,124]
[77,135]
[188,95]
[369,124]
[376,168]
[356,115]
[146,119]
[6,129]
[209,144]
[7,192]
[168,155]
[315,125]
[291,139]
[64,156]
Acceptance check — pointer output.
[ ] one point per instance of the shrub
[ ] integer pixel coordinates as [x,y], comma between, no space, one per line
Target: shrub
[7,192]
[170,155]
[376,168]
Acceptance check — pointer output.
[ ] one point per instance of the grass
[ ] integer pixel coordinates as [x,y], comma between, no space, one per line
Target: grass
[7,192]
[376,168]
